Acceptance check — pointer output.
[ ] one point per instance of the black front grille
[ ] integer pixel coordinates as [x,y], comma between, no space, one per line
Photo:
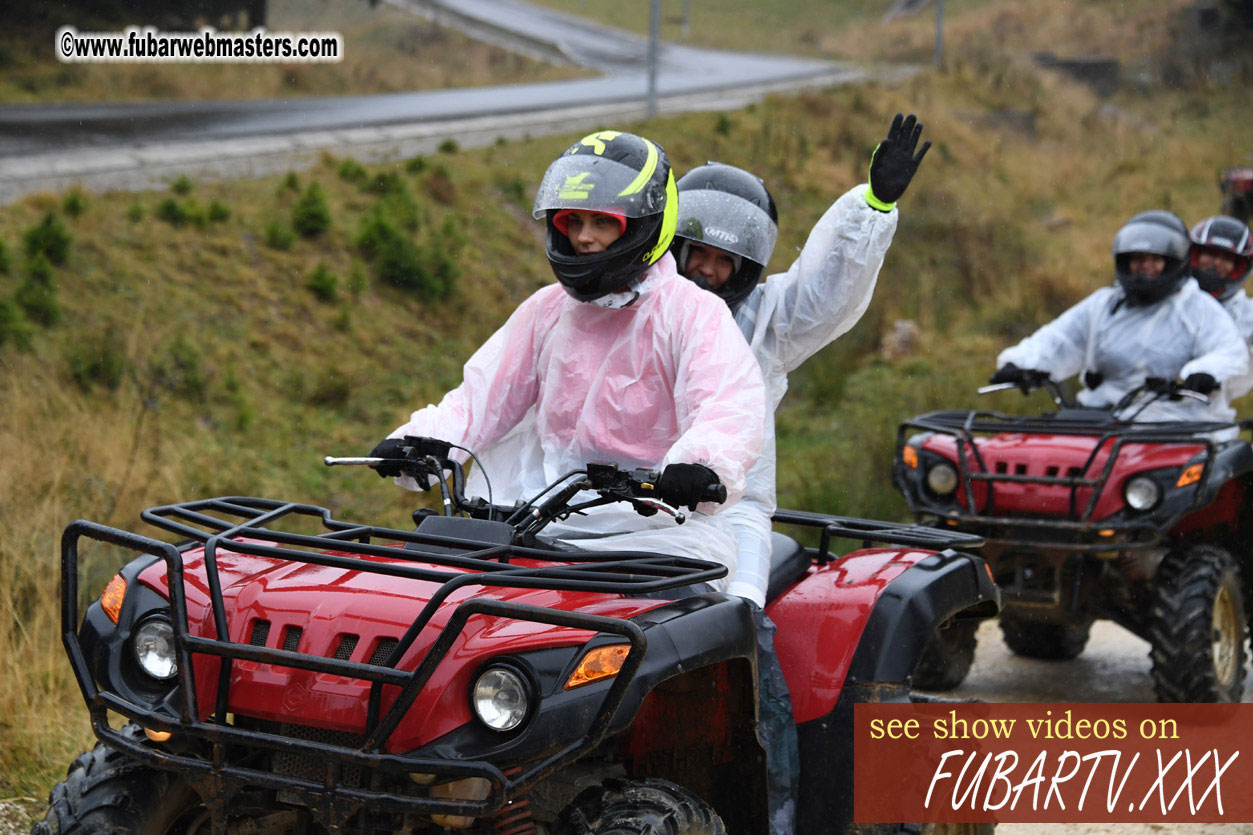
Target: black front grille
[344,651]
[306,767]
[384,649]
[260,632]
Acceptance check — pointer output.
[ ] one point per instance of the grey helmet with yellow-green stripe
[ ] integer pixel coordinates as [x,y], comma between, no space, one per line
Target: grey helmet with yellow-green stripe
[620,174]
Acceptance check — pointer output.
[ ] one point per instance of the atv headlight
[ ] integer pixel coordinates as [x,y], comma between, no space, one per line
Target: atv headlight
[1142,493]
[500,698]
[154,649]
[942,478]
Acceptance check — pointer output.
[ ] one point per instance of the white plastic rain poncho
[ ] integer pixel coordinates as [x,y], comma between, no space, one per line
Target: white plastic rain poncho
[786,320]
[1186,333]
[665,380]
[1240,306]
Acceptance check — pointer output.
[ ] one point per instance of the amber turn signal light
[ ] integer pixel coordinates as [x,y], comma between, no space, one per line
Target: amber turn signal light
[602,662]
[112,596]
[1191,475]
[910,457]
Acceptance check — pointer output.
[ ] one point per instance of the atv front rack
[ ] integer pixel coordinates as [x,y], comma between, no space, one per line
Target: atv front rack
[1076,531]
[241,525]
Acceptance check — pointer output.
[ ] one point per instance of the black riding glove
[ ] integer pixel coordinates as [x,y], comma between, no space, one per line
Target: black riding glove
[894,163]
[1201,383]
[1157,385]
[685,484]
[1093,379]
[1025,378]
[389,448]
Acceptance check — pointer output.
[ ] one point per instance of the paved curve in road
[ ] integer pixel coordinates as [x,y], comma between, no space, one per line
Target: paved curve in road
[139,145]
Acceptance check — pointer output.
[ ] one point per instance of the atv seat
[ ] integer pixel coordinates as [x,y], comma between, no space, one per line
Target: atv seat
[788,563]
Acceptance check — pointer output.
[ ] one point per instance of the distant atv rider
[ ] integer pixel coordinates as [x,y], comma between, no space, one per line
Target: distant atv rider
[726,233]
[1155,326]
[1222,251]
[621,360]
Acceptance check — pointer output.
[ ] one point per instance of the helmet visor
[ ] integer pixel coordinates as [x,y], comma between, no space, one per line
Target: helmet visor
[728,222]
[596,184]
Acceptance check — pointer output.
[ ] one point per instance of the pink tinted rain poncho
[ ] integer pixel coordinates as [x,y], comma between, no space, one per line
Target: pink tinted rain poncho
[666,380]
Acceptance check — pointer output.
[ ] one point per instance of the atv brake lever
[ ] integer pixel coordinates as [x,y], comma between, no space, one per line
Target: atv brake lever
[996,387]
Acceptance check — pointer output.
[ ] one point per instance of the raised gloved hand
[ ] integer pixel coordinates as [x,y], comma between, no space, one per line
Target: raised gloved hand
[685,484]
[894,163]
[1201,383]
[1093,379]
[1025,378]
[389,448]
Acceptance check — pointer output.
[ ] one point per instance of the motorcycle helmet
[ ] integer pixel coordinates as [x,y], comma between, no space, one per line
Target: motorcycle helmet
[1154,232]
[727,208]
[618,174]
[1223,234]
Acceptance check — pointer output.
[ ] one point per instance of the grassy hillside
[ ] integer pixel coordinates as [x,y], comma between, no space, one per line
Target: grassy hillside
[192,343]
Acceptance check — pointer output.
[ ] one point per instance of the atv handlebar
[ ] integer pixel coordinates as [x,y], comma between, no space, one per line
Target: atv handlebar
[1172,390]
[427,459]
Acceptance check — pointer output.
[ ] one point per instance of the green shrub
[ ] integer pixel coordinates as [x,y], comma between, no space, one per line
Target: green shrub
[290,182]
[12,327]
[449,146]
[5,263]
[311,216]
[49,239]
[135,213]
[376,230]
[351,170]
[323,283]
[180,213]
[278,236]
[37,294]
[416,165]
[75,203]
[182,185]
[724,125]
[178,367]
[400,264]
[99,361]
[385,182]
[514,189]
[219,212]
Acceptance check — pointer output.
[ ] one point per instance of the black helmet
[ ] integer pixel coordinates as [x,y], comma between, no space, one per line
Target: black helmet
[1155,232]
[1225,234]
[619,174]
[726,207]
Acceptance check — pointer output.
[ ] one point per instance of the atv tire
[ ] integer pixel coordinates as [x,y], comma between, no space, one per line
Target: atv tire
[1197,627]
[1046,641]
[946,660]
[106,791]
[639,807]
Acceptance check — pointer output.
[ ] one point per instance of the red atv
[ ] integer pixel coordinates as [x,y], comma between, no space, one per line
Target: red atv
[1088,514]
[469,675]
[1237,188]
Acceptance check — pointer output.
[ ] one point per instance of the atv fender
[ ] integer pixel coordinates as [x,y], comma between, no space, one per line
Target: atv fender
[867,617]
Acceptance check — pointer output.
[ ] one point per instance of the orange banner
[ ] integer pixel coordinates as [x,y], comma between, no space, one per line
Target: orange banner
[1052,763]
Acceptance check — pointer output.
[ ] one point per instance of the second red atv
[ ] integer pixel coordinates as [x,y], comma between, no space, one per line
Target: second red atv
[1237,188]
[468,675]
[1088,515]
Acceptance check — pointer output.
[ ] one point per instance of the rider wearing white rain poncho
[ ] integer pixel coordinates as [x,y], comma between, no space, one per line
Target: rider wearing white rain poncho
[1155,323]
[1222,252]
[621,361]
[727,218]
